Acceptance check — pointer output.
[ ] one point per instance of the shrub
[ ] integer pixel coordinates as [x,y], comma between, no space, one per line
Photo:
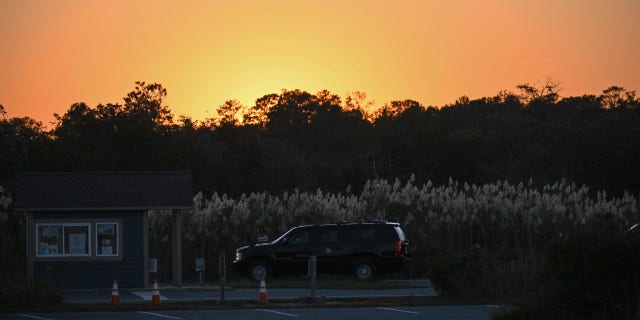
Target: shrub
[592,273]
[486,240]
[482,240]
[15,291]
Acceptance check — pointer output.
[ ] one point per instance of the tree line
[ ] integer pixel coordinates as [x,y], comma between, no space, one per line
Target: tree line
[298,140]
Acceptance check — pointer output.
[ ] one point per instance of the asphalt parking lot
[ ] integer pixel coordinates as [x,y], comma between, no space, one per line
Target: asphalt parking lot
[416,288]
[413,299]
[463,312]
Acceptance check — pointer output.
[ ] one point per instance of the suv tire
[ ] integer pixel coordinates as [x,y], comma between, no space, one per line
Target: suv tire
[364,269]
[259,270]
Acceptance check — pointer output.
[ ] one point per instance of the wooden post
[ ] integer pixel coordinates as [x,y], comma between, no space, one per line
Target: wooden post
[30,247]
[176,246]
[145,247]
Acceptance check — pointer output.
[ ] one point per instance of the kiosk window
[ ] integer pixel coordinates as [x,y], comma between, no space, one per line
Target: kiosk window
[106,239]
[69,239]
[49,240]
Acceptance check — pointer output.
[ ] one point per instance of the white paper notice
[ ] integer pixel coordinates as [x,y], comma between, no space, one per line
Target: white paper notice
[77,243]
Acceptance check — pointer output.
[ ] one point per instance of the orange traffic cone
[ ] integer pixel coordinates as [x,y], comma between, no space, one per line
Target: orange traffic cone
[115,294]
[155,298]
[262,297]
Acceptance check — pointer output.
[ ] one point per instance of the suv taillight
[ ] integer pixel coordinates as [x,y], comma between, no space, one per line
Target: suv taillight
[398,247]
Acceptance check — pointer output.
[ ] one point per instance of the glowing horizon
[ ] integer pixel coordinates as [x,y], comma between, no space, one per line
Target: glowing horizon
[56,53]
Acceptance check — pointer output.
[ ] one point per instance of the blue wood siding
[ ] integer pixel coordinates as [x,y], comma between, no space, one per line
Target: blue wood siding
[89,273]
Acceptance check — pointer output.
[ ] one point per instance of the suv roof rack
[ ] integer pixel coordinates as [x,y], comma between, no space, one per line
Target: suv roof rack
[376,221]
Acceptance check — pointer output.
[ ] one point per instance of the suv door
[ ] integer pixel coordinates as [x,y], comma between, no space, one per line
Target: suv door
[330,250]
[294,251]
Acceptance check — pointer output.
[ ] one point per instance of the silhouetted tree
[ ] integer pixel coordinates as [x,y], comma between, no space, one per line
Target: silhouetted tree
[146,104]
[296,139]
[23,147]
[617,97]
[356,102]
[229,113]
[546,93]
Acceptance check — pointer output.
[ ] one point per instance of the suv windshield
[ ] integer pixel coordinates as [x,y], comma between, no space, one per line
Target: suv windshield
[285,235]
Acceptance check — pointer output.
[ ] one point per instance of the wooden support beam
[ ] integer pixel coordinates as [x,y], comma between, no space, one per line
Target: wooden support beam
[176,247]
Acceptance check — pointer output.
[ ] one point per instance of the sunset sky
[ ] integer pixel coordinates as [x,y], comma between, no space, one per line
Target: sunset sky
[58,52]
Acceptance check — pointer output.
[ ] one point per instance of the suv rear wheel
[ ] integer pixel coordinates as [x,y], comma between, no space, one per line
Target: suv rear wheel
[364,269]
[259,270]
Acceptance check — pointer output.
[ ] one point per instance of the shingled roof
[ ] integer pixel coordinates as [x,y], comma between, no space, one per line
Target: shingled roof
[70,191]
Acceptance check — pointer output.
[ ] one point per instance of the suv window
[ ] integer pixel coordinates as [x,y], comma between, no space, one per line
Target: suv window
[308,236]
[374,233]
[362,234]
[387,234]
[328,236]
[300,237]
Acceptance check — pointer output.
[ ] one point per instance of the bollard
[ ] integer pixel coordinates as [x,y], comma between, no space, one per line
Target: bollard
[222,267]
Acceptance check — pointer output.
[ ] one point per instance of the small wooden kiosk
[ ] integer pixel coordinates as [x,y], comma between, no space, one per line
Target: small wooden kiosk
[85,229]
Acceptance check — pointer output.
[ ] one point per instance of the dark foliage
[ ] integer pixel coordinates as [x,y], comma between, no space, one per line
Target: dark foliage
[296,139]
[592,273]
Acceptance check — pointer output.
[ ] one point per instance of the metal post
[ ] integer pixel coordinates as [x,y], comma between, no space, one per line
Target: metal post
[222,267]
[311,271]
[200,269]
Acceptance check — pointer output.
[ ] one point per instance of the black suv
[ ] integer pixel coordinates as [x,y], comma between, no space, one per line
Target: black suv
[364,249]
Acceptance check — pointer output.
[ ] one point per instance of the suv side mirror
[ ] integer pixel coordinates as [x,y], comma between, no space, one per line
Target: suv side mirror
[262,238]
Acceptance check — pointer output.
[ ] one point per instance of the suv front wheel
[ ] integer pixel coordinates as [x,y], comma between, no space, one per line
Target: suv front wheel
[364,269]
[259,270]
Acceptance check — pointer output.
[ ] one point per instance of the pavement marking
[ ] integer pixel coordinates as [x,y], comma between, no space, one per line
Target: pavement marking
[158,315]
[147,295]
[201,299]
[398,310]
[280,313]
[32,317]
[378,296]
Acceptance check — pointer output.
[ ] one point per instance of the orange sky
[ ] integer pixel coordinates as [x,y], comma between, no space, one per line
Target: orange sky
[55,53]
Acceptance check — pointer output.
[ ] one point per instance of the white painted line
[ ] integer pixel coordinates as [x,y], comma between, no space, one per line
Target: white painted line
[398,310]
[32,317]
[380,296]
[273,297]
[146,295]
[195,299]
[158,315]
[101,301]
[280,313]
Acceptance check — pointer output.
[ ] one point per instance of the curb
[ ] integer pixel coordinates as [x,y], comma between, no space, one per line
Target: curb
[303,302]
